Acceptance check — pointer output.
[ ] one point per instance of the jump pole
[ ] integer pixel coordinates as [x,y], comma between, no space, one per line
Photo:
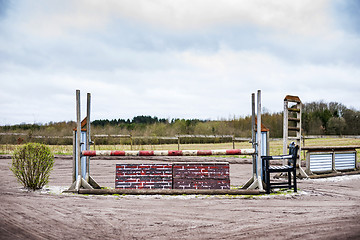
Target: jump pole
[170,152]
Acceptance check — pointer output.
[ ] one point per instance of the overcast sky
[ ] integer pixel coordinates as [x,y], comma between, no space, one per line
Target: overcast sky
[174,59]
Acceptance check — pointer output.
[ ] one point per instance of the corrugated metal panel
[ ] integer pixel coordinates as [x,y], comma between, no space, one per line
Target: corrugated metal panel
[320,162]
[344,161]
[83,148]
[264,146]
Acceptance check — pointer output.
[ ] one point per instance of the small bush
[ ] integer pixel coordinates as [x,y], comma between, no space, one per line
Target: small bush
[31,164]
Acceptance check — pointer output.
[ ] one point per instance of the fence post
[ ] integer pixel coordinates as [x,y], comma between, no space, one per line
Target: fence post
[131,142]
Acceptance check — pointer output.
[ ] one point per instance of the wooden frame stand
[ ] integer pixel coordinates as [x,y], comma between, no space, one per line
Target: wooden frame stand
[81,138]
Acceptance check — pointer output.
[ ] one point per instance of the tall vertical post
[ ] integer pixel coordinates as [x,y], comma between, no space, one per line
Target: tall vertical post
[285,128]
[88,136]
[131,142]
[78,132]
[298,133]
[74,173]
[80,182]
[260,185]
[255,181]
[253,138]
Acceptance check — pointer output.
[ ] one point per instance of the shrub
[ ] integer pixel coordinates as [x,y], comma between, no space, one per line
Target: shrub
[31,164]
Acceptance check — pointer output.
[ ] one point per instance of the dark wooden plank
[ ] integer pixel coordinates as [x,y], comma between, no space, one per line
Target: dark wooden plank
[170,191]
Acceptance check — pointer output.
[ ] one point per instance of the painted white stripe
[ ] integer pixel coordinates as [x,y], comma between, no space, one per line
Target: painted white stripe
[161,153]
[131,153]
[103,153]
[190,152]
[247,151]
[218,152]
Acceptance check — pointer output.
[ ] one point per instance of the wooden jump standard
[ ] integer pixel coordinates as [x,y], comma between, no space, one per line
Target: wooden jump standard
[85,184]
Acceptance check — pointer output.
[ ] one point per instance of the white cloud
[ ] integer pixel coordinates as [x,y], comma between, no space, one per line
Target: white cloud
[58,17]
[303,17]
[191,59]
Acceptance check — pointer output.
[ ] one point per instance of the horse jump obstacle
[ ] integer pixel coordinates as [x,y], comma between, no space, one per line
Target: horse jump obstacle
[178,175]
[84,183]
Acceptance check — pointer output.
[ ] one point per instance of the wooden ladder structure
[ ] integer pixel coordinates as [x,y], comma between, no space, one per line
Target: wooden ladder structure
[292,128]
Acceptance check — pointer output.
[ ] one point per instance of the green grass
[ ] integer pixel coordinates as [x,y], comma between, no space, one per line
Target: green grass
[282,192]
[56,149]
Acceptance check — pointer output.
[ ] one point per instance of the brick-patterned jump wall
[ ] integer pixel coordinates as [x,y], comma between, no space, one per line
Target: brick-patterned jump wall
[140,176]
[183,175]
[201,176]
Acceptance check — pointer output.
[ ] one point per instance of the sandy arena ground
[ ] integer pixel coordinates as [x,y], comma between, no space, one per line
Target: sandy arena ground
[322,209]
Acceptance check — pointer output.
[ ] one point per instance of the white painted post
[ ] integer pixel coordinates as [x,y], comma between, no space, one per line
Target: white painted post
[260,185]
[74,173]
[88,135]
[253,133]
[78,140]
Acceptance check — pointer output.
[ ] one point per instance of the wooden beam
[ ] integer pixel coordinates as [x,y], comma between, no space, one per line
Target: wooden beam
[334,174]
[170,191]
[331,148]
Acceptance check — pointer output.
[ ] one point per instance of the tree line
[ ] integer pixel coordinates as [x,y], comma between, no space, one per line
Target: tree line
[318,118]
[136,120]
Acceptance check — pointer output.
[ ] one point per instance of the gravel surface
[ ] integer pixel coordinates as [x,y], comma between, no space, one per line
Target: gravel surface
[322,209]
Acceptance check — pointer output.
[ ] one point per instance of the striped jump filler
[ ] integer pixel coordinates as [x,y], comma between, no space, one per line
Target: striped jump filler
[170,152]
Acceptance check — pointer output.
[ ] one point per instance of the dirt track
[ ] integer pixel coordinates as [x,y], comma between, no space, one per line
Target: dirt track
[323,209]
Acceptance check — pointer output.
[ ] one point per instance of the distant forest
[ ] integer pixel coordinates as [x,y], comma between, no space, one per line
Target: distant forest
[318,118]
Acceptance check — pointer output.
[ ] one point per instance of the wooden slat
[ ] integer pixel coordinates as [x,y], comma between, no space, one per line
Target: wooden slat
[294,129]
[293,110]
[331,148]
[291,98]
[294,119]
